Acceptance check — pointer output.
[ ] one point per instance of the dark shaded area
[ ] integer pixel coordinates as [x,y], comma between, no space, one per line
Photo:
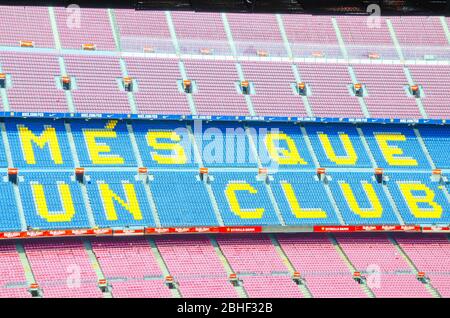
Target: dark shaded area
[387,7]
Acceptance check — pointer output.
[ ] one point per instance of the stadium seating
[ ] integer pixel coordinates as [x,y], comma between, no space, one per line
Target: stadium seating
[311,35]
[268,277]
[202,39]
[323,269]
[329,84]
[156,94]
[84,26]
[387,272]
[249,37]
[435,141]
[302,199]
[217,87]
[235,191]
[195,267]
[361,200]
[62,269]
[79,169]
[130,267]
[12,279]
[52,200]
[434,80]
[274,86]
[33,77]
[143,29]
[98,82]
[133,269]
[386,93]
[208,39]
[337,146]
[430,254]
[430,41]
[364,36]
[26,24]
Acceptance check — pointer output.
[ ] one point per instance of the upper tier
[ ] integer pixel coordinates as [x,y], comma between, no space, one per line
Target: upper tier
[216,52]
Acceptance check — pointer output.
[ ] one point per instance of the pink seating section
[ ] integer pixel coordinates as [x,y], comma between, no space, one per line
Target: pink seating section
[356,30]
[431,254]
[32,78]
[13,282]
[210,36]
[323,269]
[144,29]
[435,86]
[257,263]
[196,267]
[274,85]
[157,94]
[97,74]
[216,82]
[329,84]
[130,267]
[21,23]
[387,91]
[97,84]
[390,274]
[256,32]
[63,268]
[309,34]
[84,26]
[431,39]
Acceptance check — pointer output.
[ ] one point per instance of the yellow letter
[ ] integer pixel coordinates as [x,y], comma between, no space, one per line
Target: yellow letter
[412,201]
[108,196]
[288,156]
[96,148]
[389,151]
[374,212]
[295,207]
[41,203]
[230,193]
[48,136]
[349,159]
[178,156]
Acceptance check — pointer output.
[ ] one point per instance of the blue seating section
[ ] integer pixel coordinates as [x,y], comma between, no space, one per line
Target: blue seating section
[116,195]
[428,213]
[181,199]
[404,139]
[254,206]
[175,148]
[369,203]
[310,196]
[9,216]
[38,143]
[288,146]
[330,141]
[118,198]
[101,143]
[437,142]
[47,210]
[224,144]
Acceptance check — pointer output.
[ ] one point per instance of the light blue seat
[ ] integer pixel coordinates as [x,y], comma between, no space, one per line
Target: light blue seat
[247,201]
[119,147]
[53,199]
[309,193]
[121,216]
[333,131]
[356,181]
[42,156]
[181,199]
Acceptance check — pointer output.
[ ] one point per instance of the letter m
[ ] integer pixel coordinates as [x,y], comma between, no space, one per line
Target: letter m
[48,136]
